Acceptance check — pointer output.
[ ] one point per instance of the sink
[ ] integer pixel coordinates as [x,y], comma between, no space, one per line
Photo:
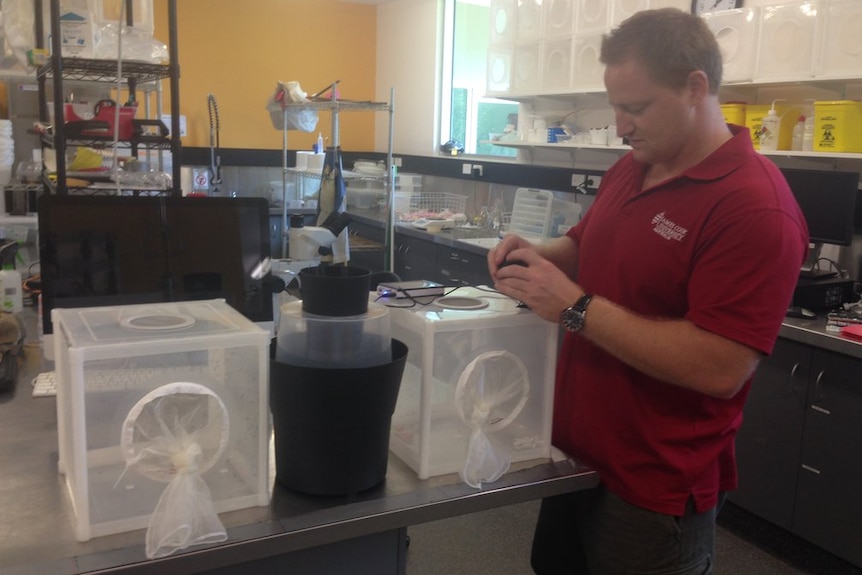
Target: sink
[481,242]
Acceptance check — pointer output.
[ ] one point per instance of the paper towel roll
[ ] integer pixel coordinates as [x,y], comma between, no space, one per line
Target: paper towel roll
[315,162]
[302,159]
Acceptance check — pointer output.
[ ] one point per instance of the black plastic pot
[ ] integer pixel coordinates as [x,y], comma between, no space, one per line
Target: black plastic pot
[332,425]
[335,290]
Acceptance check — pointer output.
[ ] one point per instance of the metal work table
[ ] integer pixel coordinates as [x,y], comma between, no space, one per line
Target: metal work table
[813,332]
[37,529]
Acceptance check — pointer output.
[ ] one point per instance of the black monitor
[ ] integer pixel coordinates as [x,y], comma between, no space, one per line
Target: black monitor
[827,199]
[116,250]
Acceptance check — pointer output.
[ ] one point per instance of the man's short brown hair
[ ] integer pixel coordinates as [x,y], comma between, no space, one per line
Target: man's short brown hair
[670,43]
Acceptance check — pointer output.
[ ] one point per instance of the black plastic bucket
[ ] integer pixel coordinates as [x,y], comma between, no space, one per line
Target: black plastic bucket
[335,290]
[332,425]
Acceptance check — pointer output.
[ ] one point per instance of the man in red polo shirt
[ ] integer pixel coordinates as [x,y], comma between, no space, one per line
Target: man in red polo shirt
[671,289]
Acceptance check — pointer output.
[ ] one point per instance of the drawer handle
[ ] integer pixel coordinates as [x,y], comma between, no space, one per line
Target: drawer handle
[811,469]
[822,410]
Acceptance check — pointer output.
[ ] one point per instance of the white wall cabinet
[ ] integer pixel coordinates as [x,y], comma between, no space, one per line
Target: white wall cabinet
[797,52]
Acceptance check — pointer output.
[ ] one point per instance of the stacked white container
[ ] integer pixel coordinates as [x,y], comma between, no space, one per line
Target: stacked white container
[7,155]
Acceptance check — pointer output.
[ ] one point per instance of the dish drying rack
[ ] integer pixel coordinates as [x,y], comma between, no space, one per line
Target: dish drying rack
[531,213]
[427,204]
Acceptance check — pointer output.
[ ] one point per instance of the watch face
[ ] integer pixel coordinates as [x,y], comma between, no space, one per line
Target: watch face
[572,319]
[704,6]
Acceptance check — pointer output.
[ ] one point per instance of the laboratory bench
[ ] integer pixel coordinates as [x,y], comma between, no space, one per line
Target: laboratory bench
[296,533]
[419,254]
[798,446]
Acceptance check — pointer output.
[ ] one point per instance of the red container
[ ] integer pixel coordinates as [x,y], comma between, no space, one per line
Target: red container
[103,111]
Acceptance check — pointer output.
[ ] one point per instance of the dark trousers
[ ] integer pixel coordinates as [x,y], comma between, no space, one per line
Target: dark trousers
[594,532]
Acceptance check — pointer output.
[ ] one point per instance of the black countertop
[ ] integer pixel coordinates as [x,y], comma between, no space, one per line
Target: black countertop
[448,237]
[809,331]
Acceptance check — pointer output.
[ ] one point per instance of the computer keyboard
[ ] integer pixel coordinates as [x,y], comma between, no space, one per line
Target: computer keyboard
[45,384]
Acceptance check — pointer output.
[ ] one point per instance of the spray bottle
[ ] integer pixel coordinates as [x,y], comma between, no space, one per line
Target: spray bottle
[808,128]
[12,296]
[770,129]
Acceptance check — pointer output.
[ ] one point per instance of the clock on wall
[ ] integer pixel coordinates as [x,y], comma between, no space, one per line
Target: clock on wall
[703,6]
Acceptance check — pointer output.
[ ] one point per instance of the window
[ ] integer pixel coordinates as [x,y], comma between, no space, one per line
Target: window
[469,116]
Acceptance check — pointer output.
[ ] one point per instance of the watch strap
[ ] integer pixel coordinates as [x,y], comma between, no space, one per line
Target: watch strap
[583,302]
[574,316]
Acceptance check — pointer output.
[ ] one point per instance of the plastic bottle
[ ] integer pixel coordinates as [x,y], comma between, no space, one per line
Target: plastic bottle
[769,130]
[12,292]
[319,149]
[798,133]
[808,134]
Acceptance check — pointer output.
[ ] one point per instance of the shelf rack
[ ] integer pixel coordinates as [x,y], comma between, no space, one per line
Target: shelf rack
[131,75]
[335,106]
[572,147]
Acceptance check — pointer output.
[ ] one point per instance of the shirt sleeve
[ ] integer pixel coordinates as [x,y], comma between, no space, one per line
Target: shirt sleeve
[744,276]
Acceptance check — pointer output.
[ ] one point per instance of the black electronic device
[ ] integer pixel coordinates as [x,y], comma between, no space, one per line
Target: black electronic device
[823,294]
[410,289]
[827,199]
[116,250]
[800,312]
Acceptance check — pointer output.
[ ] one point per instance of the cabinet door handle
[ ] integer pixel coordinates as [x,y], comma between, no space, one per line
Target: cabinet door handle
[796,385]
[818,394]
[818,385]
[811,469]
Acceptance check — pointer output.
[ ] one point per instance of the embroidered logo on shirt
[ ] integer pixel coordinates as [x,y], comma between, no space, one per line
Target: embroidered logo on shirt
[667,229]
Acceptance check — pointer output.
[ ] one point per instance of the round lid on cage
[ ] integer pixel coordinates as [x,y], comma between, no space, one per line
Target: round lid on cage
[156,321]
[491,392]
[173,435]
[180,427]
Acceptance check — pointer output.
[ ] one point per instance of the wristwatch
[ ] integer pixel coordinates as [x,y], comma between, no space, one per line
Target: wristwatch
[573,317]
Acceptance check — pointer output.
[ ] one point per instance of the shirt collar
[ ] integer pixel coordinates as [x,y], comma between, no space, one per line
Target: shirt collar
[722,161]
[728,157]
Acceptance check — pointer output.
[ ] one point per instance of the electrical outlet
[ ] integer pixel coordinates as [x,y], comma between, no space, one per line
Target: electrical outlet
[396,162]
[466,169]
[597,180]
[478,171]
[166,118]
[578,179]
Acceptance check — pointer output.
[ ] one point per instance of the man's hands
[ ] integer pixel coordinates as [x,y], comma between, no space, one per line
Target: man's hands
[536,281]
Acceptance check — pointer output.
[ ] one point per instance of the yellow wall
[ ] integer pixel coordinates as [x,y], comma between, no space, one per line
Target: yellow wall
[238,51]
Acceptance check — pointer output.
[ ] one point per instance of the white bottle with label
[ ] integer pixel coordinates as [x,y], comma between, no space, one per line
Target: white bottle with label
[769,130]
[11,290]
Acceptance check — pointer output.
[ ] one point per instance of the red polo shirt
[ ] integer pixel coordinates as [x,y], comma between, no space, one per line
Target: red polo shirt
[719,245]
